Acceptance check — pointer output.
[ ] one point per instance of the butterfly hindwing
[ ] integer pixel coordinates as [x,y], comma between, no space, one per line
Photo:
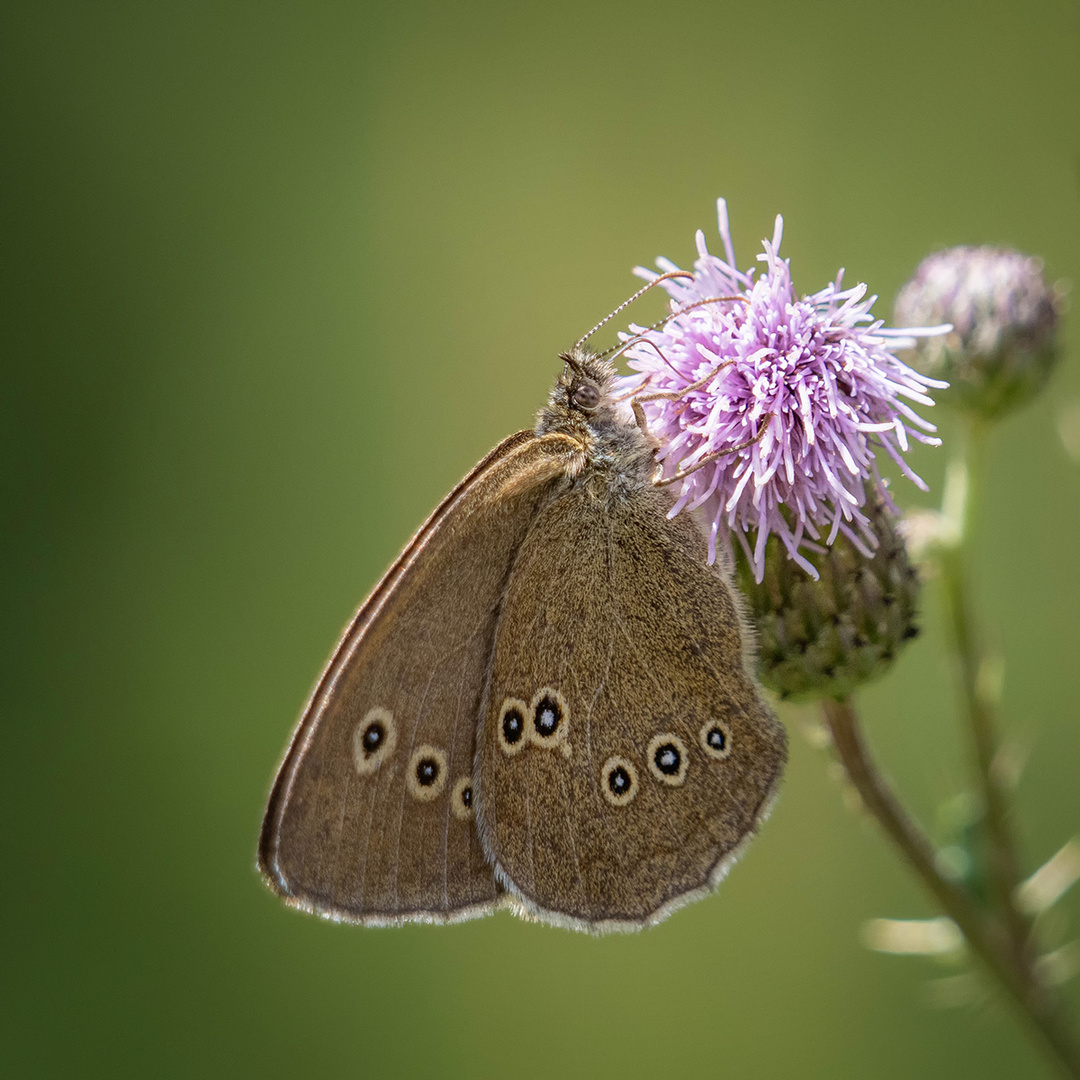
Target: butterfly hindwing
[628,792]
[371,817]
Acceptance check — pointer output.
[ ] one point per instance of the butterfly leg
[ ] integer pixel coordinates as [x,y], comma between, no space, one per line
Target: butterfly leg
[670,395]
[682,474]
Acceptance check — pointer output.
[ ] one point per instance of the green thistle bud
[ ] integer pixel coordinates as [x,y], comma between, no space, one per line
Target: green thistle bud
[1003,344]
[824,638]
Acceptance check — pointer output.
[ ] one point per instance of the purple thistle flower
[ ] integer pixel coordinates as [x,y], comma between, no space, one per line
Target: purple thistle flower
[806,389]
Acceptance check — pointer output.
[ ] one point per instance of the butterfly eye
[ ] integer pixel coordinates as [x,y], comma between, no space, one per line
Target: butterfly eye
[585,396]
[618,781]
[715,740]
[426,775]
[374,739]
[511,728]
[461,799]
[668,759]
[550,718]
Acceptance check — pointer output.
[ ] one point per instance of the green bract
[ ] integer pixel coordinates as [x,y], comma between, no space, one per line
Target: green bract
[824,638]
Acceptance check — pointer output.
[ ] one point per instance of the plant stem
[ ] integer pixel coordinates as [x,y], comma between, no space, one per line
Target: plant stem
[961,497]
[985,933]
[979,698]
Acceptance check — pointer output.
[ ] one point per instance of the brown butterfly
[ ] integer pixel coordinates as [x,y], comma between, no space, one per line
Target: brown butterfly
[545,703]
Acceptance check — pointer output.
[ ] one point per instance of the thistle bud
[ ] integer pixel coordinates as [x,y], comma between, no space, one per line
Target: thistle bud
[1003,344]
[823,638]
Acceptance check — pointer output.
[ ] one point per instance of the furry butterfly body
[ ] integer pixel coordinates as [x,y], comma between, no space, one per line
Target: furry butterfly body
[545,703]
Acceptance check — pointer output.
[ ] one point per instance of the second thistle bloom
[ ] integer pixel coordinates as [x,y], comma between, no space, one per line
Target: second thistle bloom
[809,388]
[1004,316]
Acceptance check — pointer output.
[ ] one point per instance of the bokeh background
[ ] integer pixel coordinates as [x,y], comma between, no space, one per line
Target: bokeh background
[275,276]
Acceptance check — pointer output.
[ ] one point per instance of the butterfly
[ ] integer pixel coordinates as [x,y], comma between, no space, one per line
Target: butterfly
[546,703]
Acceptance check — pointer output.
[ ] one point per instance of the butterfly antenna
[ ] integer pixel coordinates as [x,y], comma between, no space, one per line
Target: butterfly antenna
[639,339]
[618,348]
[626,303]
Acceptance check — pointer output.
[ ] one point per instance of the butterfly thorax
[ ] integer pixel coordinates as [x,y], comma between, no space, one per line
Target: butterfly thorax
[582,405]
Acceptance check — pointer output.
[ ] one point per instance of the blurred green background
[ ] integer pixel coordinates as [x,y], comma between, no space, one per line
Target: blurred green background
[275,276]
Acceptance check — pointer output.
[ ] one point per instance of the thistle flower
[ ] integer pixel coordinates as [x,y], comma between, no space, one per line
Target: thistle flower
[1003,344]
[769,408]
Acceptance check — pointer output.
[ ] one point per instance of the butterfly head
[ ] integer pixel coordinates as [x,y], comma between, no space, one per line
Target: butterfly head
[582,395]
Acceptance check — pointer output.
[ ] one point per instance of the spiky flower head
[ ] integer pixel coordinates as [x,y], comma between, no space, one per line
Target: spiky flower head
[1003,344]
[773,405]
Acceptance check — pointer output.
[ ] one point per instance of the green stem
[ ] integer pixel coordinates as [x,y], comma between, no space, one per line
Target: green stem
[986,935]
[1001,862]
[979,700]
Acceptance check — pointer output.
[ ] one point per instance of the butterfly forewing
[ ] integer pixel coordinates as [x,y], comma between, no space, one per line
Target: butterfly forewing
[372,815]
[650,756]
